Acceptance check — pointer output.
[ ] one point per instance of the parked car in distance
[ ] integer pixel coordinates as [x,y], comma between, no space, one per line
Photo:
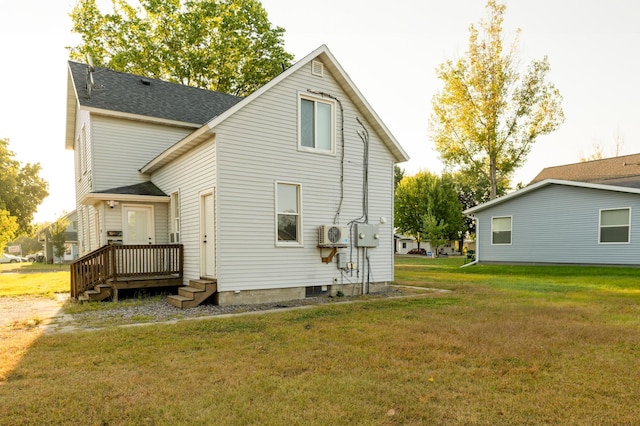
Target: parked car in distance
[9,258]
[417,251]
[35,257]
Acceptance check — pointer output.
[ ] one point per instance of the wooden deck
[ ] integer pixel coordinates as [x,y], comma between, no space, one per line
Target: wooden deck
[103,272]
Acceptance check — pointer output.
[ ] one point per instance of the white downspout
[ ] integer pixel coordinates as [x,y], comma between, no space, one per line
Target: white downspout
[477,243]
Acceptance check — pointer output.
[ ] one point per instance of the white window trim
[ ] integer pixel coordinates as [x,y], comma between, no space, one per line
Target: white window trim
[510,230]
[83,147]
[174,219]
[310,97]
[600,226]
[299,242]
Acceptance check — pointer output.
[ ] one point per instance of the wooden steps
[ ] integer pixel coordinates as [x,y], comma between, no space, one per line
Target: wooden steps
[99,292]
[111,287]
[194,294]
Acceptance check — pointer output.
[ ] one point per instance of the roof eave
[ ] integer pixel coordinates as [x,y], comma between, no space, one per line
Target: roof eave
[343,79]
[187,143]
[546,182]
[93,198]
[345,83]
[72,110]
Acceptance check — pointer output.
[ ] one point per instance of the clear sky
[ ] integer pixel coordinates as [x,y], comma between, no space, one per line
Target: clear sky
[389,48]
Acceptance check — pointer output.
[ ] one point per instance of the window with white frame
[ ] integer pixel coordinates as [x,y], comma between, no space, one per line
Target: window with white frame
[84,158]
[316,124]
[501,230]
[174,207]
[615,226]
[288,215]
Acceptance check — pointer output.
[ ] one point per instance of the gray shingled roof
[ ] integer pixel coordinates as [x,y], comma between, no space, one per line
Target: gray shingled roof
[130,93]
[145,188]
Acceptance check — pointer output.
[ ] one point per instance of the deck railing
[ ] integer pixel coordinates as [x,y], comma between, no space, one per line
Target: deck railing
[119,261]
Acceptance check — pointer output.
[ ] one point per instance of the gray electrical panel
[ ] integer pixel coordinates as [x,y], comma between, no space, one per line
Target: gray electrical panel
[367,235]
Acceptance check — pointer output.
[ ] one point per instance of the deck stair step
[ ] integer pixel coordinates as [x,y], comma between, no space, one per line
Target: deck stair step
[99,292]
[194,294]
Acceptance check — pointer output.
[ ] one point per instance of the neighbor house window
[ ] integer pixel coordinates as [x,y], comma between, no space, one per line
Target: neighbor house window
[288,217]
[316,124]
[501,230]
[615,225]
[174,205]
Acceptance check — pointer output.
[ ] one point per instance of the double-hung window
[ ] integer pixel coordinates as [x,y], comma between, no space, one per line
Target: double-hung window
[288,215]
[501,230]
[615,226]
[175,217]
[316,124]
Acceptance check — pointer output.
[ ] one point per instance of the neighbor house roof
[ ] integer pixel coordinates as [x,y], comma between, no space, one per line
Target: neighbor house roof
[621,171]
[138,96]
[547,182]
[341,77]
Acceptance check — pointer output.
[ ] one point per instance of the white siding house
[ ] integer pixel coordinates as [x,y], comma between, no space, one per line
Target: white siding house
[246,189]
[560,221]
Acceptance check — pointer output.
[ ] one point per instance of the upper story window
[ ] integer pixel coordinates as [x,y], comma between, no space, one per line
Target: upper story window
[288,215]
[84,158]
[316,124]
[501,230]
[615,226]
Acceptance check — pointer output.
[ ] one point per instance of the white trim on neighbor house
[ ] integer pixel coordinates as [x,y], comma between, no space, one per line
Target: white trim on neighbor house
[627,225]
[493,230]
[546,182]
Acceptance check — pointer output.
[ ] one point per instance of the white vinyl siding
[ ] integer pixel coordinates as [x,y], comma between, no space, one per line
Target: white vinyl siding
[190,174]
[559,224]
[615,226]
[259,145]
[501,230]
[288,215]
[125,146]
[316,124]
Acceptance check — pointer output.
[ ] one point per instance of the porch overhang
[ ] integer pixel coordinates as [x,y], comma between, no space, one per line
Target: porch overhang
[93,198]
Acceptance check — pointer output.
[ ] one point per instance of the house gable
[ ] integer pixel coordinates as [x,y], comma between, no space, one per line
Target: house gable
[332,67]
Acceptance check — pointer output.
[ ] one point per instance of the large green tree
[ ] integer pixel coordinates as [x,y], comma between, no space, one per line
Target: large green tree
[224,45]
[21,189]
[426,194]
[489,112]
[58,230]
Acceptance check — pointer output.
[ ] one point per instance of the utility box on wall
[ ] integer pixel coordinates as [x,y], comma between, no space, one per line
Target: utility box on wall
[367,235]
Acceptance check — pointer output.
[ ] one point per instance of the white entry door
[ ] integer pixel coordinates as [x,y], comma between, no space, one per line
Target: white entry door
[207,235]
[138,225]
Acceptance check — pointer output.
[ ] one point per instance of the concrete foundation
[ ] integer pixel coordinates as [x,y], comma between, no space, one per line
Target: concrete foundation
[254,297]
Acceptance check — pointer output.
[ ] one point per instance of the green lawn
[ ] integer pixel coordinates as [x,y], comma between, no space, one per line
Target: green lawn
[509,345]
[18,279]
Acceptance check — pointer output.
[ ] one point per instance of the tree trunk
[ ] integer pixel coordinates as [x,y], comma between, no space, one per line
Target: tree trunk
[493,184]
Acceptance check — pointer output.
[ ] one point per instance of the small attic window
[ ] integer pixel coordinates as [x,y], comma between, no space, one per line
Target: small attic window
[145,81]
[317,68]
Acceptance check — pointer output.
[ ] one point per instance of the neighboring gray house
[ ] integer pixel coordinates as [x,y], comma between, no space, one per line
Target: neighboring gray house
[71,244]
[285,193]
[561,221]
